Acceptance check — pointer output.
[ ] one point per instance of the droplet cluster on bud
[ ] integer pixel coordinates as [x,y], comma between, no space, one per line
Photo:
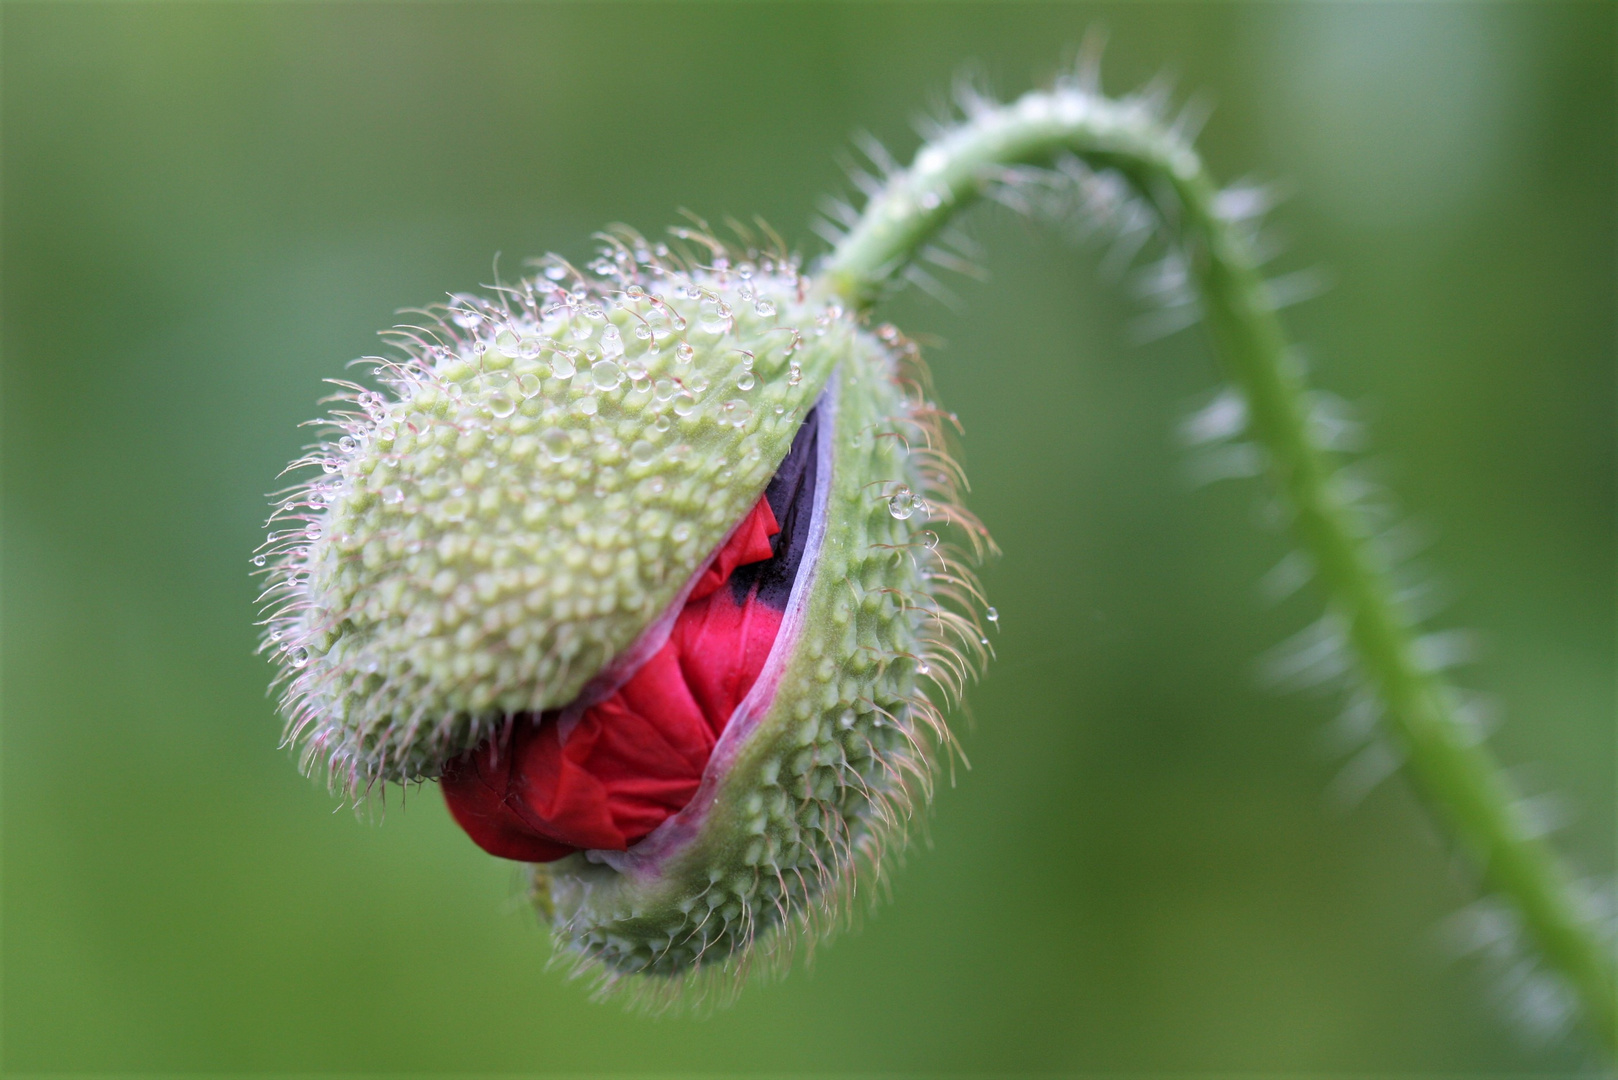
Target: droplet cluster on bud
[542,477]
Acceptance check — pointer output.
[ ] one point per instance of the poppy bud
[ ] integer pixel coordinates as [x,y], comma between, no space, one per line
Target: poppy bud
[645,564]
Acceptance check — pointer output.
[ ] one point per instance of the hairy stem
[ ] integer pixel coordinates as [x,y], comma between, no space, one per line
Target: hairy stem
[1457,776]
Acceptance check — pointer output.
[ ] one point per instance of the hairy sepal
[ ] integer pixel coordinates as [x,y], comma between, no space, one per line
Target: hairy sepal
[804,802]
[545,476]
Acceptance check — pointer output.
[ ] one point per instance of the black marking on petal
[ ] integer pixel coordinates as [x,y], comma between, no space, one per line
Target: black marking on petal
[791,495]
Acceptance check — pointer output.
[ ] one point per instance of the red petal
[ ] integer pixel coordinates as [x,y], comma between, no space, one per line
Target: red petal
[635,759]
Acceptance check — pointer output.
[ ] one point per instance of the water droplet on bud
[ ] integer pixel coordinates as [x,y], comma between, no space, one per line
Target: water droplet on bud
[606,374]
[903,503]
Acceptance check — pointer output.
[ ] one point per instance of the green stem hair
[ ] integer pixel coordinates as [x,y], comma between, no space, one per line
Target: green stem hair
[1459,777]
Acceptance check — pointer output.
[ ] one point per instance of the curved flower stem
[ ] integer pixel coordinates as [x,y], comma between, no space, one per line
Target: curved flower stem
[1457,776]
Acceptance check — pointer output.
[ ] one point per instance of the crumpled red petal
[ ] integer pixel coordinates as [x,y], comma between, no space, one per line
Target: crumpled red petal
[636,758]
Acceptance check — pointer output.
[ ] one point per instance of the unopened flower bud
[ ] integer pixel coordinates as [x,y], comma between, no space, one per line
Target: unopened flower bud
[646,565]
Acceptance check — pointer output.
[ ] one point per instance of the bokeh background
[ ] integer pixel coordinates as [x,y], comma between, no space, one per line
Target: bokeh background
[210,207]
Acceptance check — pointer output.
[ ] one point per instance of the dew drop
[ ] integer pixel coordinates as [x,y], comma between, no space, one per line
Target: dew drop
[685,352]
[612,342]
[663,390]
[393,495]
[698,383]
[562,366]
[259,560]
[529,385]
[348,444]
[992,615]
[642,452]
[557,444]
[902,503]
[528,348]
[764,308]
[466,318]
[297,656]
[736,411]
[331,465]
[502,405]
[746,382]
[312,532]
[606,374]
[684,404]
[555,273]
[661,423]
[588,406]
[794,373]
[642,331]
[716,320]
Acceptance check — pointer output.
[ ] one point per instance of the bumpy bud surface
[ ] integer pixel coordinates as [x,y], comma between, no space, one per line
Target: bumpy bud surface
[546,475]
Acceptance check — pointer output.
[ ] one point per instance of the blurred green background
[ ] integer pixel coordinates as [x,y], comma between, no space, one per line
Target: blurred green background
[210,207]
